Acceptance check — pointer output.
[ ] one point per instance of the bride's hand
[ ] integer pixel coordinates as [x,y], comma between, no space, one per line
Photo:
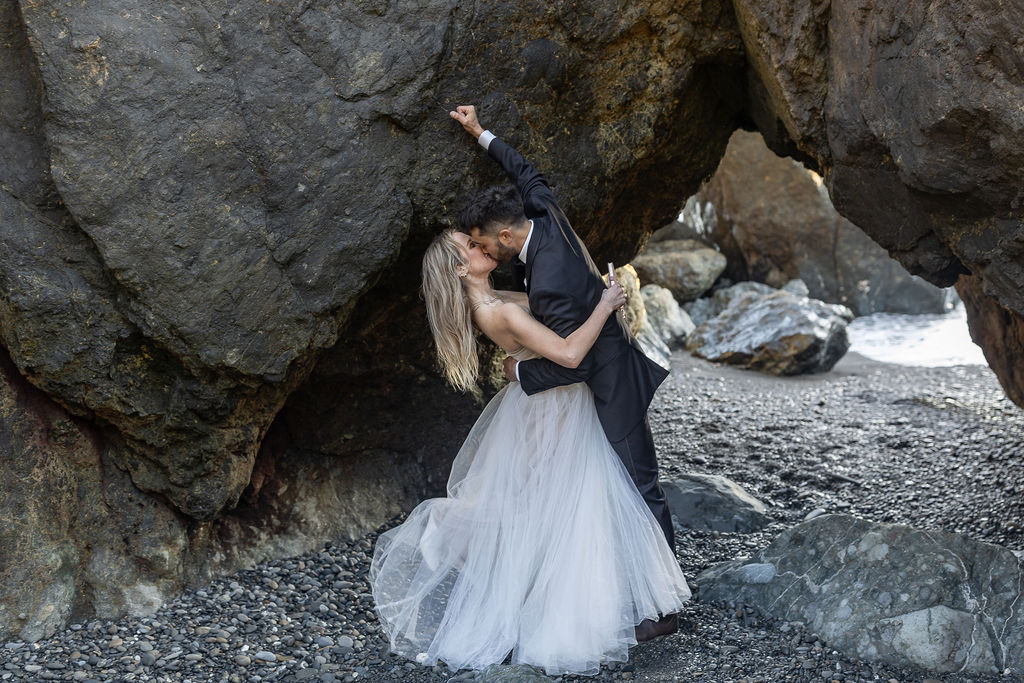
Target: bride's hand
[614,297]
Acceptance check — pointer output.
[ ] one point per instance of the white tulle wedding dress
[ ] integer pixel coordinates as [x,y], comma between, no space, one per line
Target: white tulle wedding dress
[543,547]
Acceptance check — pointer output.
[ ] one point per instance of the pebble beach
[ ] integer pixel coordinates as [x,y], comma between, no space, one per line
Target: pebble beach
[932,447]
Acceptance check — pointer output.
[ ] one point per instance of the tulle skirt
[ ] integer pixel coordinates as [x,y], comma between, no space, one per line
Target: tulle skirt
[543,547]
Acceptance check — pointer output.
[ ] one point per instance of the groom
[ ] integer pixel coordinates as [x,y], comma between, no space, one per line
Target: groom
[527,227]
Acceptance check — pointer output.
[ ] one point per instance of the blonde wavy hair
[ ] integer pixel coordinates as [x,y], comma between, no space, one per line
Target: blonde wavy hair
[449,314]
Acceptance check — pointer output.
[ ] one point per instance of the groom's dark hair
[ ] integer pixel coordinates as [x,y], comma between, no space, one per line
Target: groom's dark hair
[491,208]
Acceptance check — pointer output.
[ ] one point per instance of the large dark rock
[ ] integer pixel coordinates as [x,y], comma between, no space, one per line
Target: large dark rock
[775,222]
[912,115]
[886,592]
[219,276]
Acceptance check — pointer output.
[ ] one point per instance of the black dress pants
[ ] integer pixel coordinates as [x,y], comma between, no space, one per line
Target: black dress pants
[637,453]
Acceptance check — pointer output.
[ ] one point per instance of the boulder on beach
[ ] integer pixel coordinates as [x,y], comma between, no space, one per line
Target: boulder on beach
[707,307]
[774,222]
[712,502]
[687,268]
[779,333]
[671,323]
[887,593]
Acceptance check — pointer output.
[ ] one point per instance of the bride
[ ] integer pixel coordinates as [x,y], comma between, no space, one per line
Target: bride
[543,547]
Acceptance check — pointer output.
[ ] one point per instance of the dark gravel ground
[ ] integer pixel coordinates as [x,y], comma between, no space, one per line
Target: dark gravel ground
[930,447]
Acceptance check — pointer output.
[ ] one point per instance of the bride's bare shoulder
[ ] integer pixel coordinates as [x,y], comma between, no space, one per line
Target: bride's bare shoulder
[515,297]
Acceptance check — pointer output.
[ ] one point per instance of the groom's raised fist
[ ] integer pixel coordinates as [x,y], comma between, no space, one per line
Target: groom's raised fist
[466,115]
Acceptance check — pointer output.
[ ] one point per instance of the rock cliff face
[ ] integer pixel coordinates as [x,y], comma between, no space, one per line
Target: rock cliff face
[211,216]
[774,222]
[911,111]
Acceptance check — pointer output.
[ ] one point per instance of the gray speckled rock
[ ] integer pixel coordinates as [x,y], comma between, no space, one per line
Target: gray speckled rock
[885,592]
[779,333]
[708,501]
[671,323]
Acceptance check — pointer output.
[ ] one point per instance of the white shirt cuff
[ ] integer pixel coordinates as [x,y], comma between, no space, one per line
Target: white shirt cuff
[485,138]
[517,371]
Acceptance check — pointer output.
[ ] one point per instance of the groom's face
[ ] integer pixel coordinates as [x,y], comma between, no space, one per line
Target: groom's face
[496,244]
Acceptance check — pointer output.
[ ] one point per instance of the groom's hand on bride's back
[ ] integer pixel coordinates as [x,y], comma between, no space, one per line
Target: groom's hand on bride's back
[510,369]
[466,115]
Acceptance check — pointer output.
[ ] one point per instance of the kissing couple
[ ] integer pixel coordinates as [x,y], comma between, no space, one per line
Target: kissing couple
[554,546]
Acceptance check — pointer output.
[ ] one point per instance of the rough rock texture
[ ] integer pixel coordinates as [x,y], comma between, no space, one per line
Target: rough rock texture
[780,333]
[912,114]
[654,346]
[708,501]
[76,535]
[886,592]
[236,176]
[686,268]
[696,221]
[78,538]
[998,332]
[219,277]
[775,222]
[706,308]
[668,320]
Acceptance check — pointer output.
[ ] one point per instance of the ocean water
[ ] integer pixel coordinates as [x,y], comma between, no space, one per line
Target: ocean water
[930,340]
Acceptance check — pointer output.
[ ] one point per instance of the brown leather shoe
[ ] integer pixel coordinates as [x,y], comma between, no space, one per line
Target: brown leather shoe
[648,628]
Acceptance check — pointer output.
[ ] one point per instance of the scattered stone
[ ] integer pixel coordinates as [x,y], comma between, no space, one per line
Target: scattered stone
[816,512]
[779,333]
[708,501]
[668,320]
[687,268]
[502,673]
[771,434]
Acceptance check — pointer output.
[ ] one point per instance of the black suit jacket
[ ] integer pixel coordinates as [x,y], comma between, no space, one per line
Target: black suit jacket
[563,292]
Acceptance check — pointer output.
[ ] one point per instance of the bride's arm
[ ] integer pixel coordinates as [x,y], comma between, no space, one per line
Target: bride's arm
[567,352]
